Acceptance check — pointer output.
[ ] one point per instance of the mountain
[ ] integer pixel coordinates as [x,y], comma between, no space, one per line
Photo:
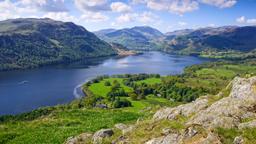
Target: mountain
[208,40]
[32,42]
[139,37]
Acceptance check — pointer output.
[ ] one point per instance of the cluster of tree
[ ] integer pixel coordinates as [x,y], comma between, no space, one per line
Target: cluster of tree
[116,91]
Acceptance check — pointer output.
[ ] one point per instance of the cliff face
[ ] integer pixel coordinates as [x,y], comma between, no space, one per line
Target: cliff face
[197,122]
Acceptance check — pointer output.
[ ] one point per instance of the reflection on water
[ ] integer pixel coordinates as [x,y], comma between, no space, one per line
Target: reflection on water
[25,90]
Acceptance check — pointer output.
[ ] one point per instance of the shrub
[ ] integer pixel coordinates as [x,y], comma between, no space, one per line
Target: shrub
[107,83]
[121,103]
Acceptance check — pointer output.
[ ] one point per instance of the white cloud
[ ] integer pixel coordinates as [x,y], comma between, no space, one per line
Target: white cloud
[212,25]
[92,5]
[241,19]
[251,21]
[44,5]
[183,6]
[93,17]
[120,7]
[147,17]
[61,16]
[244,20]
[182,24]
[174,6]
[125,18]
[220,3]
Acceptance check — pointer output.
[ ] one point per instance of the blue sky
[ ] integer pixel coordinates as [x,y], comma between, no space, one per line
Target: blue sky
[165,15]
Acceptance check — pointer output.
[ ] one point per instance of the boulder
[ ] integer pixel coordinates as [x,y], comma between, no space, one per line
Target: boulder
[238,140]
[80,139]
[121,126]
[103,133]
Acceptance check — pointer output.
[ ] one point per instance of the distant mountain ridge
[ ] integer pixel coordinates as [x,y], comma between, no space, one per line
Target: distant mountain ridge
[221,39]
[32,42]
[136,38]
[187,41]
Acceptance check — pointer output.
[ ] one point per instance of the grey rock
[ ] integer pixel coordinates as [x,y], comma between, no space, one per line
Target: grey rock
[80,139]
[228,111]
[103,133]
[250,124]
[121,126]
[190,132]
[166,131]
[184,110]
[238,140]
[169,139]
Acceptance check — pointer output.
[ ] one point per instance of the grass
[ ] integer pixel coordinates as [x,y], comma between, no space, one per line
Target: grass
[227,135]
[58,126]
[100,89]
[150,81]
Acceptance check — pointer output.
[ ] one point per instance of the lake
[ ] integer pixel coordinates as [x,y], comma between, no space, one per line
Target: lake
[25,90]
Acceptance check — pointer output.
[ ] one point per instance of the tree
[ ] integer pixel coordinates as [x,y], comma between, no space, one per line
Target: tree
[133,96]
[107,83]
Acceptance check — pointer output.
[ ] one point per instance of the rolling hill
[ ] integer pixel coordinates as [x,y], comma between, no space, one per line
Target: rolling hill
[136,38]
[26,43]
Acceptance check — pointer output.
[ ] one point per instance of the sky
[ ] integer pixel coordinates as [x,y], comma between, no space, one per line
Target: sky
[164,15]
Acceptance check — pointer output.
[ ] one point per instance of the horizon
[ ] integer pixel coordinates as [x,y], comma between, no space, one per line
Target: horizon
[163,15]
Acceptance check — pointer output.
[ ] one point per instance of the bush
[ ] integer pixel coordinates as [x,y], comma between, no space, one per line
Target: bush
[133,96]
[121,103]
[107,83]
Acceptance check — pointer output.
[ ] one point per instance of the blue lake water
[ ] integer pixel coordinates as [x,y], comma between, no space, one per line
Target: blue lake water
[25,90]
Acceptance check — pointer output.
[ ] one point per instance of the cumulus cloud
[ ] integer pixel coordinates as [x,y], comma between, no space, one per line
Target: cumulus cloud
[61,16]
[120,7]
[44,5]
[251,21]
[175,6]
[244,20]
[183,6]
[92,5]
[182,23]
[93,17]
[220,3]
[125,18]
[241,19]
[144,18]
[147,17]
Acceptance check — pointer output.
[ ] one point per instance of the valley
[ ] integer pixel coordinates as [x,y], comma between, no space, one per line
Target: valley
[60,83]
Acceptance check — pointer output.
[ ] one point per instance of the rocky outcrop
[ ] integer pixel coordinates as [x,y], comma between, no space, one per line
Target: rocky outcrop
[228,112]
[184,110]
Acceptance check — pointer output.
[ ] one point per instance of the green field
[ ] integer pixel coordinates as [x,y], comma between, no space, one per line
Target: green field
[150,81]
[100,89]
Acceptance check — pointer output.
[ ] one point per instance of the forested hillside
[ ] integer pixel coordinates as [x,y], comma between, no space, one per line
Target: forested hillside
[26,43]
